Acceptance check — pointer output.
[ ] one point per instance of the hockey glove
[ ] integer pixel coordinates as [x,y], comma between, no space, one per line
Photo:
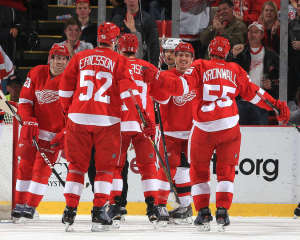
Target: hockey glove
[284,112]
[57,142]
[149,127]
[30,129]
[149,74]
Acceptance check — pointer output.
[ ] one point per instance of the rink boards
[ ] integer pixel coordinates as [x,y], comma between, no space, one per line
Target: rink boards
[267,183]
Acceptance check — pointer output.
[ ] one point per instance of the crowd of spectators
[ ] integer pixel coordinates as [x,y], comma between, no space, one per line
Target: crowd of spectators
[252,27]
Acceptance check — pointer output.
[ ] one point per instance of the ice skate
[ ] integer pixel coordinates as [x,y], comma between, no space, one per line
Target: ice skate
[28,212]
[297,211]
[203,220]
[69,217]
[181,215]
[151,209]
[17,213]
[222,218]
[162,215]
[115,213]
[100,219]
[158,215]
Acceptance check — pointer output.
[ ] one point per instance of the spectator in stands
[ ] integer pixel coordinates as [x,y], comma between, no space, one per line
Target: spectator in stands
[294,54]
[195,16]
[73,33]
[8,31]
[157,7]
[249,9]
[262,64]
[243,10]
[132,19]
[14,85]
[117,7]
[225,24]
[38,9]
[269,19]
[89,29]
[294,107]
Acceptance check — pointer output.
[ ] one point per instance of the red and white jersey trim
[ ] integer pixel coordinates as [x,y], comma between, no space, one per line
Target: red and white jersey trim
[66,94]
[117,185]
[126,94]
[218,125]
[163,101]
[200,188]
[46,135]
[37,188]
[24,100]
[130,126]
[178,134]
[22,185]
[185,86]
[93,119]
[225,186]
[150,185]
[74,188]
[102,187]
[256,98]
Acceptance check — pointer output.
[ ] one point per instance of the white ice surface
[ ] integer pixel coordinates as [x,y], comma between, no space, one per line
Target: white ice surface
[137,227]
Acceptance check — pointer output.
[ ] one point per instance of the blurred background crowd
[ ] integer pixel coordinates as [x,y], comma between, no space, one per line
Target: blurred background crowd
[28,29]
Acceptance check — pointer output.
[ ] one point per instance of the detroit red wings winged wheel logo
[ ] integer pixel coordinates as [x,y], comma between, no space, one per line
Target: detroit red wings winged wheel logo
[181,100]
[46,96]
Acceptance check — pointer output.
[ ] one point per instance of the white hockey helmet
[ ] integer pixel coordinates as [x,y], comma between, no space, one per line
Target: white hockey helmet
[170,43]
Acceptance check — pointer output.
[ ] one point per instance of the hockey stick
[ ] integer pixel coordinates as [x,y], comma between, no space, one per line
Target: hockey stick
[155,148]
[277,111]
[9,109]
[157,110]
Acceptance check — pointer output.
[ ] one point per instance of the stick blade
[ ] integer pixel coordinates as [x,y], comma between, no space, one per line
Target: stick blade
[6,107]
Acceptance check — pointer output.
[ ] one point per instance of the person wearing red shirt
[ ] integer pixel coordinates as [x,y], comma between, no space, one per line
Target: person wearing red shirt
[215,124]
[176,137]
[93,88]
[131,133]
[6,69]
[43,119]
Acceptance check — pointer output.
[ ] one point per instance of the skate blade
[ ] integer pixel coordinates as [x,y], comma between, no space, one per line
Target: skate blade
[181,221]
[122,219]
[98,227]
[220,228]
[116,224]
[295,217]
[205,227]
[68,228]
[20,220]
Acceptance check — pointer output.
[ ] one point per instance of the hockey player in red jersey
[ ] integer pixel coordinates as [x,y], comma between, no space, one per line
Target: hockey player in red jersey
[6,69]
[176,138]
[215,117]
[94,86]
[43,119]
[168,51]
[132,133]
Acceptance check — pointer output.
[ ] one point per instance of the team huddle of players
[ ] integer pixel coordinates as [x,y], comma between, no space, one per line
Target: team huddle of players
[89,101]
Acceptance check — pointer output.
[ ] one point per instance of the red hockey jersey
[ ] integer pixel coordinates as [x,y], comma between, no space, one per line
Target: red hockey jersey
[39,99]
[93,86]
[129,121]
[217,83]
[6,66]
[176,113]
